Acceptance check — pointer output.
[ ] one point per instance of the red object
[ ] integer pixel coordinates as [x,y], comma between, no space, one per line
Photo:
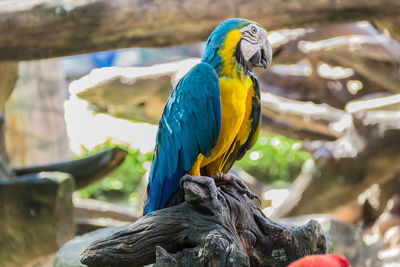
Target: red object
[326,260]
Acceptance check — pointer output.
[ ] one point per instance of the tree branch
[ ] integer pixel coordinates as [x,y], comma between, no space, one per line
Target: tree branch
[300,119]
[74,27]
[85,171]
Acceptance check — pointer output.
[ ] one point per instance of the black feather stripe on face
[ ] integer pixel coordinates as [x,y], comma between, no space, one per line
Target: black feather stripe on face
[246,65]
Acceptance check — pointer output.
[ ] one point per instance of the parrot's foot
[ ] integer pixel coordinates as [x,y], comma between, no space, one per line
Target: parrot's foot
[241,187]
[207,182]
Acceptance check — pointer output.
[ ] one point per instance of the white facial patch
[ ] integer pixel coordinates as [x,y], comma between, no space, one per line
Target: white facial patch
[253,39]
[248,49]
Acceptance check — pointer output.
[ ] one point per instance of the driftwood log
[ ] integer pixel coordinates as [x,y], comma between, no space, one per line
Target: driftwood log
[213,227]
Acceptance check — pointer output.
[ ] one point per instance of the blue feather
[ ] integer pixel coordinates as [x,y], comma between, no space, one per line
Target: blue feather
[190,125]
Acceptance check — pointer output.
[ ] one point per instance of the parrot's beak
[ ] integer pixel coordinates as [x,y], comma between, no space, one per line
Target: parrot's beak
[263,57]
[266,55]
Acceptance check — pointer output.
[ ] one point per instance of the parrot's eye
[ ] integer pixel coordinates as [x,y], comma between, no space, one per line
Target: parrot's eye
[253,30]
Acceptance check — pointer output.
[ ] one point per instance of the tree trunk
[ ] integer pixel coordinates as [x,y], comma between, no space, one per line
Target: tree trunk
[75,27]
[213,227]
[36,131]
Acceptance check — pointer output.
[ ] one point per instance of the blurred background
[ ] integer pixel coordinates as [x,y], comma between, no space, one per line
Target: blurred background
[83,84]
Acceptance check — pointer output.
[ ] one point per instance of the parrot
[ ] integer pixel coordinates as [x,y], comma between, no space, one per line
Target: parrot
[325,260]
[213,115]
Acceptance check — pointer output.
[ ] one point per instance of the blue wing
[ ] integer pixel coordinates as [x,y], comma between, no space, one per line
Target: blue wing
[190,125]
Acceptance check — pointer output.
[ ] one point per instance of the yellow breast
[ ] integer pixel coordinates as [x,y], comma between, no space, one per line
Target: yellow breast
[236,93]
[234,108]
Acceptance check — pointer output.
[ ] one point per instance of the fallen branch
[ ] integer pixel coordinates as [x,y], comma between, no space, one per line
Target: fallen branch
[213,227]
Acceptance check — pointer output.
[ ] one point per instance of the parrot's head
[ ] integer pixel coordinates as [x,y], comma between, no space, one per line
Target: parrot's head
[238,43]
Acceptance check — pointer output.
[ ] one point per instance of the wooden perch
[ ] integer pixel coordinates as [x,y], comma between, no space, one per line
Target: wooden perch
[75,27]
[213,227]
[85,171]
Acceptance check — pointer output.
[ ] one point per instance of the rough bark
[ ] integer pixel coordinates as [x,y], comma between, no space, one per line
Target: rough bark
[36,216]
[73,27]
[85,171]
[213,227]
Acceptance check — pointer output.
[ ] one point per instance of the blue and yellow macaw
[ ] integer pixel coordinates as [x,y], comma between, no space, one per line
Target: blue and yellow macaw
[213,115]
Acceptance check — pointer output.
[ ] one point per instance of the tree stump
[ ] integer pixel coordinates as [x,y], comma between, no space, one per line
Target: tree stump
[36,216]
[212,227]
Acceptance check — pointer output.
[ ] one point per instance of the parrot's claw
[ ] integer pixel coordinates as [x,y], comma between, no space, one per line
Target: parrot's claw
[210,184]
[241,187]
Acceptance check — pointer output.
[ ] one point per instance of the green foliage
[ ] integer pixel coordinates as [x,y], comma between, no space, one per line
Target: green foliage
[274,159]
[124,180]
